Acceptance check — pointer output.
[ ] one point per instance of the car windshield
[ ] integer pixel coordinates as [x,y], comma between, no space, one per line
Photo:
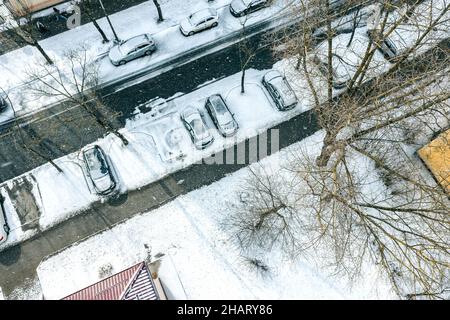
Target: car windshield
[96,164]
[130,44]
[247,2]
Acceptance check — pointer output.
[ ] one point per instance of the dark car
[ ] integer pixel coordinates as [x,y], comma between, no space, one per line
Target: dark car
[239,8]
[221,115]
[4,228]
[280,90]
[99,170]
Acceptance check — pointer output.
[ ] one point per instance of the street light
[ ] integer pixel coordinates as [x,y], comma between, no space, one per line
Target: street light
[109,21]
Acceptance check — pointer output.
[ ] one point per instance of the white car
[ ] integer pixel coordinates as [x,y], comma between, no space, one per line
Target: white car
[199,21]
[4,228]
[193,121]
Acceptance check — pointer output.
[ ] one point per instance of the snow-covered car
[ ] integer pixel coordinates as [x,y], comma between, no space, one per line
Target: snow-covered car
[391,47]
[3,101]
[199,21]
[221,115]
[4,228]
[239,8]
[133,48]
[280,90]
[346,58]
[193,121]
[98,170]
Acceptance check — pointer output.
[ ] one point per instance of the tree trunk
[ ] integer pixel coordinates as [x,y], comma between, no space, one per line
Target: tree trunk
[42,51]
[327,150]
[243,81]
[158,7]
[43,157]
[99,29]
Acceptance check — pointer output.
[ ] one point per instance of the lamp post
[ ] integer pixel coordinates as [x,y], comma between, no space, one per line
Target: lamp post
[109,21]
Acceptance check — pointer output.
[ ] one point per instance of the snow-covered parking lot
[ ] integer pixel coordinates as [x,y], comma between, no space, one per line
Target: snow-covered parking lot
[59,196]
[198,252]
[158,136]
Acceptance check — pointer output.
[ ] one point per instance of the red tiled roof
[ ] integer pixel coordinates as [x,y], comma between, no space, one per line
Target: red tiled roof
[114,287]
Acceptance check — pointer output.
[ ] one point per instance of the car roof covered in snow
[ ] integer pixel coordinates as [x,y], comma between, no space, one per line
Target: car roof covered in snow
[202,14]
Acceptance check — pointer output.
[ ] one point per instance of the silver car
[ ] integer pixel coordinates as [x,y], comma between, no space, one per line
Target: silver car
[133,48]
[221,116]
[239,8]
[280,90]
[199,21]
[193,121]
[4,228]
[99,170]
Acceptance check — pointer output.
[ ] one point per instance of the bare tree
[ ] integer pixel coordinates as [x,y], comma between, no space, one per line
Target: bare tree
[365,194]
[22,29]
[87,8]
[76,85]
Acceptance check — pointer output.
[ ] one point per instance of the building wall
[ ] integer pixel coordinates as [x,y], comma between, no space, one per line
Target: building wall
[20,7]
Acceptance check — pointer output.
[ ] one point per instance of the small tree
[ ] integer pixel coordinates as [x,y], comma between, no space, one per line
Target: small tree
[78,87]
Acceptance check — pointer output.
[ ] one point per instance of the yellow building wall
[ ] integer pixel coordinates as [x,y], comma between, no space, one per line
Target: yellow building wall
[436,156]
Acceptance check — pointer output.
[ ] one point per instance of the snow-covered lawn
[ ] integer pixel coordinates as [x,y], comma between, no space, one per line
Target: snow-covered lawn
[189,232]
[151,137]
[16,65]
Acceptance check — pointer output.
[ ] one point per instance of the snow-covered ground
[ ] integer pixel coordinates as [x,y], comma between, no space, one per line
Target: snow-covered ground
[189,232]
[146,159]
[156,134]
[17,65]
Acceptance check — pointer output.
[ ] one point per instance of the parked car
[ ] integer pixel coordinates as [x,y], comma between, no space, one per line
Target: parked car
[280,90]
[98,170]
[3,101]
[199,21]
[193,121]
[239,8]
[221,115]
[4,228]
[391,47]
[133,48]
[341,75]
